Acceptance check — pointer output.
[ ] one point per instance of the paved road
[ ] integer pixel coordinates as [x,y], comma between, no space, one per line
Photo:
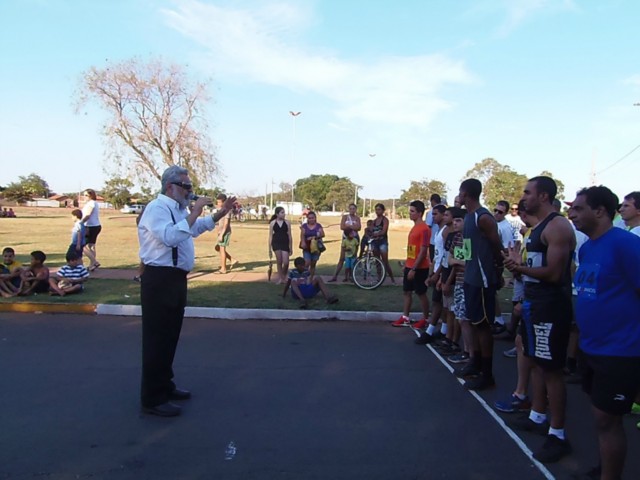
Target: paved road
[299,400]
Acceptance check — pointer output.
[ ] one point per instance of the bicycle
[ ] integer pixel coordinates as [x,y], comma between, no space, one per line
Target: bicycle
[369,272]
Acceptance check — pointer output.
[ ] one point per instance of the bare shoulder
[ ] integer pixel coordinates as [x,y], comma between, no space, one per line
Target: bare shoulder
[559,230]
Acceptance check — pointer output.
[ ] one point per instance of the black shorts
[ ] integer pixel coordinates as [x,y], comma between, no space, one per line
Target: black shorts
[418,284]
[611,382]
[545,330]
[479,303]
[92,233]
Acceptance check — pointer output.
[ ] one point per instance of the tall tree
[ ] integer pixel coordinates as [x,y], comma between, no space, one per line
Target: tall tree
[422,190]
[26,188]
[504,184]
[314,190]
[484,170]
[155,118]
[117,192]
[559,184]
[340,194]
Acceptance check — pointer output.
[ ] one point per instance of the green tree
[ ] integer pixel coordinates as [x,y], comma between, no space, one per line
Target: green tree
[156,118]
[26,188]
[499,181]
[313,190]
[484,170]
[340,194]
[117,192]
[560,185]
[422,190]
[504,184]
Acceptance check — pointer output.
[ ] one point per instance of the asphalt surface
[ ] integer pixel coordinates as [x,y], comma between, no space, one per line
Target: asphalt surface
[271,400]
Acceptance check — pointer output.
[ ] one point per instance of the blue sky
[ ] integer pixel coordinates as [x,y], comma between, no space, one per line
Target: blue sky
[430,87]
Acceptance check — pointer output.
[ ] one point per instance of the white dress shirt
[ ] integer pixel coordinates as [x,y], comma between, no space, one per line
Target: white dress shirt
[158,234]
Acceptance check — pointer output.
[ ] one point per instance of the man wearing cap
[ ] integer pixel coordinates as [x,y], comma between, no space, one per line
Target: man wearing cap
[166,232]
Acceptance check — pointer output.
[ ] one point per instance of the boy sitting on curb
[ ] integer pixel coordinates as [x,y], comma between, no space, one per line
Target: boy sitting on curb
[70,278]
[9,273]
[301,286]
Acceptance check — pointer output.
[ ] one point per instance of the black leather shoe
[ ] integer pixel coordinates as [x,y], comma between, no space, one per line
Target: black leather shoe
[163,410]
[179,394]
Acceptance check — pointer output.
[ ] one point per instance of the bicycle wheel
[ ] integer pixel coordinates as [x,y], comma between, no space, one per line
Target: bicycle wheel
[369,272]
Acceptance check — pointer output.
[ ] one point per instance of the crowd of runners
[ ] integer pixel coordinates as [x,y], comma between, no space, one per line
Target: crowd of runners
[576,281]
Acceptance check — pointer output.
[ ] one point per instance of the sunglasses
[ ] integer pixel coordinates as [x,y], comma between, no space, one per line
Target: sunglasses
[514,208]
[186,186]
[499,211]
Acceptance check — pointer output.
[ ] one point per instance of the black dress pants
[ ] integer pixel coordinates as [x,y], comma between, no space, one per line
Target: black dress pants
[163,295]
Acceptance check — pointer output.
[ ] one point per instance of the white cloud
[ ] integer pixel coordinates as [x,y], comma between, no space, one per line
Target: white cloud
[633,80]
[264,44]
[518,12]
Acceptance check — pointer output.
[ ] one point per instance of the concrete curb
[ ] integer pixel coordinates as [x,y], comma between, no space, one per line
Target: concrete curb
[258,314]
[207,312]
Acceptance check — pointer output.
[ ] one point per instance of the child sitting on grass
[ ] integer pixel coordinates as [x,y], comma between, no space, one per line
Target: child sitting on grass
[9,272]
[70,278]
[303,286]
[34,279]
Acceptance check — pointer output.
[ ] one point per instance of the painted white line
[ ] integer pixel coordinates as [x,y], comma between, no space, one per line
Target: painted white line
[518,441]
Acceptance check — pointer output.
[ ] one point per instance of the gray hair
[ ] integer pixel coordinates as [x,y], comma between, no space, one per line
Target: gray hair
[172,174]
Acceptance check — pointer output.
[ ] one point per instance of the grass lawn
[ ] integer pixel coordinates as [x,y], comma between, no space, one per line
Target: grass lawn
[49,230]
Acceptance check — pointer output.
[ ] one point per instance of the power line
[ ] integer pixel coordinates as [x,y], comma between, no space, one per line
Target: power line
[618,161]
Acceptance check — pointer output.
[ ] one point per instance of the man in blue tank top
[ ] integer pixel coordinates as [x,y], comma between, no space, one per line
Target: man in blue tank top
[608,316]
[546,314]
[482,277]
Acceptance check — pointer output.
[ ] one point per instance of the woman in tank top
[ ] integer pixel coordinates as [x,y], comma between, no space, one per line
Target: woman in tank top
[280,241]
[380,242]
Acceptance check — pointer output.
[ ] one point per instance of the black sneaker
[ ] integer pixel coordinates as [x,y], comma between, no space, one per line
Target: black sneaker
[553,450]
[424,339]
[481,382]
[525,424]
[593,474]
[498,328]
[469,370]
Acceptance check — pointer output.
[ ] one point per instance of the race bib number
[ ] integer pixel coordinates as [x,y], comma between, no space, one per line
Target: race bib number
[534,260]
[411,251]
[586,280]
[464,252]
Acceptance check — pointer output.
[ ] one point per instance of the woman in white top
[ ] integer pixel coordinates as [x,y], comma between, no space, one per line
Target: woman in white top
[91,219]
[350,221]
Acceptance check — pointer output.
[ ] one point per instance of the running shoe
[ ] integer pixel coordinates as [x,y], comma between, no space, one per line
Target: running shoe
[481,382]
[553,450]
[498,328]
[459,358]
[635,409]
[424,339]
[469,370]
[525,424]
[513,404]
[401,322]
[420,324]
[511,353]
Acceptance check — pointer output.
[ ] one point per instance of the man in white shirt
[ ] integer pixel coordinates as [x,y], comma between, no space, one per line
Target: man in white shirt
[166,233]
[516,222]
[507,237]
[630,212]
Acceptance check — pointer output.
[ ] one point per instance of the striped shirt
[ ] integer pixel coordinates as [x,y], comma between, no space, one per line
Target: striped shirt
[79,272]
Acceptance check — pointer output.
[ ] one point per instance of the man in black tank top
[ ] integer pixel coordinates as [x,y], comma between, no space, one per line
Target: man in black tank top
[546,313]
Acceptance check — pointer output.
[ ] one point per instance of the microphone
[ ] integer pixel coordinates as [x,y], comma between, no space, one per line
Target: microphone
[193,197]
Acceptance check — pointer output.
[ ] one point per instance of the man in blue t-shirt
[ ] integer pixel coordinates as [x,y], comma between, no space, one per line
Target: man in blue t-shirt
[608,316]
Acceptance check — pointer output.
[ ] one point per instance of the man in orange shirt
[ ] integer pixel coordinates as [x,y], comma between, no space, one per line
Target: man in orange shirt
[416,268]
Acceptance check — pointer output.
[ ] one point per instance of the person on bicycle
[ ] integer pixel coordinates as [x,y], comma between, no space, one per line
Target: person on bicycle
[416,267]
[380,242]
